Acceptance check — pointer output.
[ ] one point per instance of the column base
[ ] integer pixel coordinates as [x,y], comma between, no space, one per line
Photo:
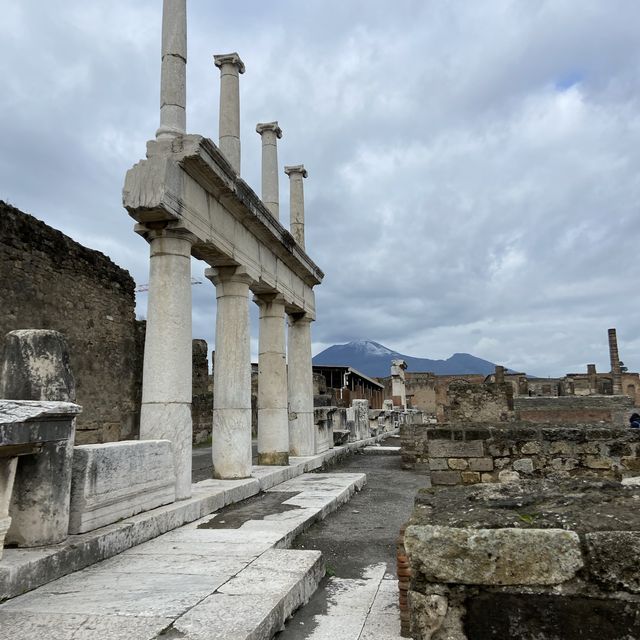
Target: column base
[274,458]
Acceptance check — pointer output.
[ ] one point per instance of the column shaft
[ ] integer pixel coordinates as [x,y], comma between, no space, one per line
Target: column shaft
[173,92]
[273,425]
[296,201]
[270,132]
[229,129]
[166,385]
[300,384]
[616,373]
[231,431]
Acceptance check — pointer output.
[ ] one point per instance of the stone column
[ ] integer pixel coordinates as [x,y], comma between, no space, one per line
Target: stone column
[231,66]
[273,427]
[499,375]
[270,132]
[616,374]
[398,386]
[231,431]
[296,201]
[173,92]
[300,385]
[166,382]
[593,378]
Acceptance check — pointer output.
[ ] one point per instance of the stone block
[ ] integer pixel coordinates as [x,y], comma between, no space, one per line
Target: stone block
[488,477]
[481,464]
[530,448]
[470,477]
[613,559]
[117,480]
[595,462]
[459,464]
[445,477]
[562,447]
[456,449]
[438,464]
[493,556]
[508,476]
[631,463]
[524,465]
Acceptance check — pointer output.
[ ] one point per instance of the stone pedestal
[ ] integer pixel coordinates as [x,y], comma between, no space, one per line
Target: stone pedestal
[231,431]
[273,427]
[40,436]
[231,66]
[300,385]
[166,385]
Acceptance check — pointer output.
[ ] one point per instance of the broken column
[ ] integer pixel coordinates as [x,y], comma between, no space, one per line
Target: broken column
[296,201]
[499,374]
[593,378]
[398,387]
[616,373]
[231,66]
[231,429]
[273,428]
[270,132]
[35,367]
[165,413]
[173,92]
[300,385]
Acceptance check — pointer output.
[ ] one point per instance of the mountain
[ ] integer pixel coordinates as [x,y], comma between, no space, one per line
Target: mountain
[374,359]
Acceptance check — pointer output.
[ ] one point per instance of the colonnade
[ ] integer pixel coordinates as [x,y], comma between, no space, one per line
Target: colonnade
[285,398]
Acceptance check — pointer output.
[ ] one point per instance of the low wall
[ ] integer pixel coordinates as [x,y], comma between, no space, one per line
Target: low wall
[529,563]
[468,454]
[574,409]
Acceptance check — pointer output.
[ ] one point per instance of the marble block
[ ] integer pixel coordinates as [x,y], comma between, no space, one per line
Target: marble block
[119,479]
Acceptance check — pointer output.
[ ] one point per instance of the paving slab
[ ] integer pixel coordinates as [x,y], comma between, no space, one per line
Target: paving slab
[218,577]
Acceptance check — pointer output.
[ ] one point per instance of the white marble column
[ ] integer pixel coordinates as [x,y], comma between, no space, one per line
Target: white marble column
[166,382]
[173,92]
[7,476]
[231,433]
[300,385]
[296,201]
[273,424]
[270,132]
[231,66]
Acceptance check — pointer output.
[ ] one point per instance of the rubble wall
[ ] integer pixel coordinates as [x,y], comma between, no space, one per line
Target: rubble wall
[49,281]
[468,454]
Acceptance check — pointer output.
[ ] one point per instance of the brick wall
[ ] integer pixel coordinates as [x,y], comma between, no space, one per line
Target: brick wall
[575,409]
[49,281]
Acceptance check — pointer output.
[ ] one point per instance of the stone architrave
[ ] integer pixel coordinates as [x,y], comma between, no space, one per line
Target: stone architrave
[231,66]
[173,85]
[166,385]
[231,430]
[270,132]
[296,175]
[300,385]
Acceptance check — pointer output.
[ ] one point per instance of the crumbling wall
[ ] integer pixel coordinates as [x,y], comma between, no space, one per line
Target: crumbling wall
[467,402]
[49,281]
[468,454]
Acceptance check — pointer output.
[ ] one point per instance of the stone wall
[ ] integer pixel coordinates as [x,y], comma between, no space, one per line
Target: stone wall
[50,281]
[468,454]
[468,402]
[529,562]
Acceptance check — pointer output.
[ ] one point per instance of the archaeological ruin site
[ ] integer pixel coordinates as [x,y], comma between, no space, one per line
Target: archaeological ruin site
[157,487]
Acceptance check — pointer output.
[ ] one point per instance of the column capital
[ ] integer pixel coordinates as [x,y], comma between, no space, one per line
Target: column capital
[295,169]
[221,275]
[162,229]
[229,58]
[300,318]
[263,127]
[268,298]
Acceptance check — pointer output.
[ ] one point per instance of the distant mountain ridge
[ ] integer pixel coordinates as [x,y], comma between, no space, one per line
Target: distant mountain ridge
[374,359]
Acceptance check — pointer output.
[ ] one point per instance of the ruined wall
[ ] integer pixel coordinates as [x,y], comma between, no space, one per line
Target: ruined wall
[422,389]
[468,454]
[575,409]
[467,402]
[202,399]
[50,281]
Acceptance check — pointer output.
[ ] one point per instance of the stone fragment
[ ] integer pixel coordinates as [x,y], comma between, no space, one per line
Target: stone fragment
[470,477]
[481,464]
[529,448]
[119,479]
[524,465]
[493,556]
[594,462]
[458,464]
[507,476]
[427,614]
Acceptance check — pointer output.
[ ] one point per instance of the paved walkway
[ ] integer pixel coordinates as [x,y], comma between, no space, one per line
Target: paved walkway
[223,577]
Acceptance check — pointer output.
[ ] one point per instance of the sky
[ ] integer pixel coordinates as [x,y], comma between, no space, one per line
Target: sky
[474,180]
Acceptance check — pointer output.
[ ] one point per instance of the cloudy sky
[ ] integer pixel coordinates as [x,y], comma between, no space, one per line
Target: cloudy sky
[474,166]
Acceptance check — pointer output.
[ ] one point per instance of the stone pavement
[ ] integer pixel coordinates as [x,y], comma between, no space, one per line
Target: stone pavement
[225,576]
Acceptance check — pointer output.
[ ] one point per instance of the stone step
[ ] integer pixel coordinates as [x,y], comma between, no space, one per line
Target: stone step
[382,451]
[223,576]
